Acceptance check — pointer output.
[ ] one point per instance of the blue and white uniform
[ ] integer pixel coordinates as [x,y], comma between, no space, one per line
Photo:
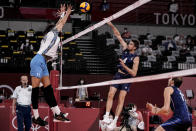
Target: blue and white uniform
[128,59]
[181,119]
[49,46]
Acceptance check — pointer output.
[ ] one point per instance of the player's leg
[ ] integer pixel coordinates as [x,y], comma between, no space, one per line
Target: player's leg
[109,103]
[35,94]
[48,93]
[34,98]
[36,75]
[111,93]
[51,100]
[170,125]
[121,99]
[110,98]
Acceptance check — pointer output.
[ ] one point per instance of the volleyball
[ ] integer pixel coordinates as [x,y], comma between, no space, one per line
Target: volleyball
[84,7]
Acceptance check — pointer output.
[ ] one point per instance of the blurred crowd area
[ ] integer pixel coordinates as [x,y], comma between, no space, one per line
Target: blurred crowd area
[157,53]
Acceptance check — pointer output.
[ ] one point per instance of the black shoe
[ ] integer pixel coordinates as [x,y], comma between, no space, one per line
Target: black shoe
[61,118]
[39,121]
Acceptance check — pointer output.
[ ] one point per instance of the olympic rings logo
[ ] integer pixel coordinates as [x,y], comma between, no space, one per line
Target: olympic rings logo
[33,127]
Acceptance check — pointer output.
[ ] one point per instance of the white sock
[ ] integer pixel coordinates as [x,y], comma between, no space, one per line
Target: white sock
[115,119]
[56,110]
[107,113]
[35,113]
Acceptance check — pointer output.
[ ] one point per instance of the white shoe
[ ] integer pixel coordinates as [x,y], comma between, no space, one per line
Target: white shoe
[103,125]
[106,119]
[111,126]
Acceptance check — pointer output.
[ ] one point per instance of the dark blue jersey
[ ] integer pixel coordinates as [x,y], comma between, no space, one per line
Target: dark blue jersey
[128,58]
[178,105]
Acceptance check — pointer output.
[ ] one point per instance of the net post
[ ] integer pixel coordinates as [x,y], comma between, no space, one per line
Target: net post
[54,79]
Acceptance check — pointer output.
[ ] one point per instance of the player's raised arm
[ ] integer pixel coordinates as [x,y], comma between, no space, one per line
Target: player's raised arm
[64,16]
[118,35]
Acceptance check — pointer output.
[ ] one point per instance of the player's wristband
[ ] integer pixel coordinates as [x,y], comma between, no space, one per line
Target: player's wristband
[63,14]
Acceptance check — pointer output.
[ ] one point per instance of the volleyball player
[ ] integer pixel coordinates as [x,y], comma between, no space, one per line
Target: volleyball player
[127,68]
[39,72]
[173,100]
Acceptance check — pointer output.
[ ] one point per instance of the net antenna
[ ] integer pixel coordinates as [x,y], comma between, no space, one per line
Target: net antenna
[61,61]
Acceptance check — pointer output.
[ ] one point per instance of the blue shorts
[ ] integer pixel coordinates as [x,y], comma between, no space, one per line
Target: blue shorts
[125,86]
[38,67]
[176,124]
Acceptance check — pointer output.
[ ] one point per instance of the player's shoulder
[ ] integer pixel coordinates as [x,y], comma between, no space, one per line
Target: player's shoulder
[169,89]
[136,58]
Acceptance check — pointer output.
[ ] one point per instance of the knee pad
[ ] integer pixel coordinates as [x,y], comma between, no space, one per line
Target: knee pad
[35,97]
[49,96]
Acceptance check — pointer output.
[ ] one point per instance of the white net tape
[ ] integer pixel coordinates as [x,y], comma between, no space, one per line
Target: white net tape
[108,19]
[137,79]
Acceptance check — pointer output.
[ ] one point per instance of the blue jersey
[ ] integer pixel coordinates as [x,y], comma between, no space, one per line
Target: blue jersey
[178,105]
[128,58]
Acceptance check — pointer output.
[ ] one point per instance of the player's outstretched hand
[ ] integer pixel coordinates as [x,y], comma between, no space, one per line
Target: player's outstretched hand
[122,62]
[69,7]
[149,106]
[61,10]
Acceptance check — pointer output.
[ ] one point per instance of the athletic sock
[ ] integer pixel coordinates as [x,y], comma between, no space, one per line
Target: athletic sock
[35,113]
[35,97]
[56,110]
[49,96]
[107,113]
[115,119]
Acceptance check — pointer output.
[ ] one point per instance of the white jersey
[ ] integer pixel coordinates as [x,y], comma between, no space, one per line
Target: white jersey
[49,44]
[23,95]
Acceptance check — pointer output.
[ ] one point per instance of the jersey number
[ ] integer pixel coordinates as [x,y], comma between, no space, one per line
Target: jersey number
[182,96]
[125,60]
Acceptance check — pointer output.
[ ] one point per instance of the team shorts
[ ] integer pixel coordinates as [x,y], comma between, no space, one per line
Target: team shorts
[38,67]
[125,86]
[176,124]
